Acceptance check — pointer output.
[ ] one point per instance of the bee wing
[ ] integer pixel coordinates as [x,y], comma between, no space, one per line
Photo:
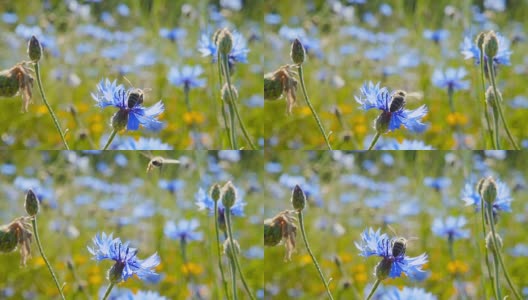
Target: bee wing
[171,161]
[414,97]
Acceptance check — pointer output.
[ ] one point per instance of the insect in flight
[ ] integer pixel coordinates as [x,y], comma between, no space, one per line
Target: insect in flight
[158,162]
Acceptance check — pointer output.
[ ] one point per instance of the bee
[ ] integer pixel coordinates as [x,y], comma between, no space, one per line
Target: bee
[157,162]
[397,100]
[135,96]
[398,245]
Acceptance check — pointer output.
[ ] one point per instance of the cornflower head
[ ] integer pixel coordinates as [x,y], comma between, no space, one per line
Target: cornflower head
[473,50]
[392,251]
[452,79]
[184,231]
[238,53]
[452,228]
[126,262]
[408,294]
[436,35]
[502,202]
[187,77]
[392,105]
[131,113]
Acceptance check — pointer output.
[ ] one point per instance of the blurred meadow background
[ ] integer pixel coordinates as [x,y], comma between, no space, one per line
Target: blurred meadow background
[402,193]
[87,41]
[84,193]
[399,44]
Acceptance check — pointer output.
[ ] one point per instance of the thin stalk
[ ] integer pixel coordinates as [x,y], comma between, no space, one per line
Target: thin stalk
[234,103]
[374,288]
[224,281]
[110,139]
[374,141]
[183,249]
[316,117]
[37,239]
[496,121]
[233,274]
[235,258]
[499,255]
[484,220]
[495,264]
[108,290]
[50,110]
[192,126]
[498,101]
[450,93]
[228,130]
[232,124]
[301,223]
[486,111]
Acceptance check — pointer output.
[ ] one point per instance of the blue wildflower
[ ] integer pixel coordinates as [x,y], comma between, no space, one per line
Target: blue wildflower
[238,53]
[184,231]
[126,262]
[496,5]
[452,79]
[135,114]
[140,144]
[187,78]
[452,228]
[502,202]
[470,50]
[404,145]
[408,294]
[204,201]
[173,34]
[436,35]
[392,116]
[438,184]
[148,295]
[374,243]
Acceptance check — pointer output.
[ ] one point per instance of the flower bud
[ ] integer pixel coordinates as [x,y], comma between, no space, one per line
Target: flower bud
[298,198]
[297,52]
[215,192]
[489,241]
[34,49]
[381,124]
[32,203]
[120,120]
[225,41]
[383,269]
[228,249]
[488,190]
[115,274]
[479,41]
[491,44]
[229,195]
[226,96]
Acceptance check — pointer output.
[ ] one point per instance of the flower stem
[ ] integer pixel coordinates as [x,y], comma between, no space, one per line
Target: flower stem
[486,111]
[232,126]
[486,256]
[37,239]
[110,139]
[496,120]
[108,290]
[50,110]
[301,223]
[235,258]
[450,93]
[234,103]
[374,141]
[195,138]
[374,288]
[495,277]
[224,281]
[233,275]
[498,101]
[499,255]
[317,120]
[224,115]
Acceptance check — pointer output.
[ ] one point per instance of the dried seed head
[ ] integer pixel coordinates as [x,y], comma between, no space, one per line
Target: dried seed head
[489,241]
[228,248]
[226,96]
[229,195]
[488,190]
[215,192]
[491,44]
[17,80]
[297,53]
[225,41]
[120,120]
[34,49]
[17,233]
[490,96]
[31,204]
[298,198]
[281,228]
[281,83]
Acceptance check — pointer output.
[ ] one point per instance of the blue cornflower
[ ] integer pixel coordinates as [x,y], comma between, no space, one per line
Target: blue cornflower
[126,262]
[173,34]
[148,295]
[452,228]
[184,231]
[408,294]
[404,145]
[438,184]
[471,196]
[436,35]
[238,53]
[374,243]
[141,144]
[188,77]
[393,114]
[452,79]
[131,113]
[204,201]
[470,50]
[496,5]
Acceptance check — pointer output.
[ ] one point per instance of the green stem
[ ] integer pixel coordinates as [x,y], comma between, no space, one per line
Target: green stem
[450,93]
[50,110]
[224,115]
[498,103]
[374,288]
[301,223]
[234,103]
[233,274]
[232,125]
[224,281]
[486,111]
[108,290]
[110,139]
[37,239]
[317,120]
[486,256]
[495,280]
[496,121]
[374,141]
[195,138]
[499,255]
[235,258]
